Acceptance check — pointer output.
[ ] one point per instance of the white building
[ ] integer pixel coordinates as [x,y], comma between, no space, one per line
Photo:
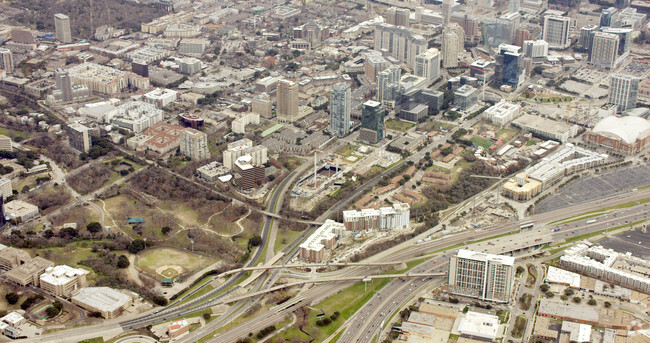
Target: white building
[556,31]
[161,97]
[479,326]
[63,280]
[604,50]
[136,116]
[239,125]
[242,147]
[399,42]
[189,65]
[62,28]
[452,44]
[20,210]
[104,79]
[5,143]
[109,302]
[385,218]
[483,276]
[623,91]
[535,48]
[427,65]
[194,144]
[502,113]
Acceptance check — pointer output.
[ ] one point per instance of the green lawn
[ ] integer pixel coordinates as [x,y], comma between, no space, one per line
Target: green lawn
[154,258]
[288,236]
[531,142]
[13,134]
[93,340]
[506,134]
[399,125]
[482,142]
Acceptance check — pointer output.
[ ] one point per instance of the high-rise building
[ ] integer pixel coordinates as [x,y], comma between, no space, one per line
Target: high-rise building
[388,82]
[309,32]
[470,25]
[604,49]
[606,16]
[535,48]
[586,35]
[556,31]
[483,276]
[372,122]
[78,137]
[398,16]
[189,65]
[629,18]
[510,65]
[624,36]
[373,64]
[514,6]
[400,42]
[62,27]
[340,103]
[194,144]
[287,101]
[6,60]
[452,45]
[447,6]
[522,35]
[623,91]
[496,32]
[63,83]
[427,65]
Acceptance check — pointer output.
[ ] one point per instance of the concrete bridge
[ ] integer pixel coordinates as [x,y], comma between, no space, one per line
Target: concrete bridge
[277,216]
[312,265]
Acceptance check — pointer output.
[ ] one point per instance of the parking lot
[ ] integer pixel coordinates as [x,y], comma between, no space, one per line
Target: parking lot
[635,242]
[596,187]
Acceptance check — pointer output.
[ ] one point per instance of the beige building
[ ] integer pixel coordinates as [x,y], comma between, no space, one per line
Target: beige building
[11,258]
[194,144]
[5,143]
[452,45]
[287,101]
[62,27]
[107,301]
[5,187]
[522,187]
[78,137]
[262,107]
[237,149]
[63,280]
[29,272]
[20,210]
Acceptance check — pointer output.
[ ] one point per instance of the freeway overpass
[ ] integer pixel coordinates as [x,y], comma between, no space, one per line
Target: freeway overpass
[277,216]
[311,265]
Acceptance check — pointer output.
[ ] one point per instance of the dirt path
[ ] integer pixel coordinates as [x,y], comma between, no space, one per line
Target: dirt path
[134,273]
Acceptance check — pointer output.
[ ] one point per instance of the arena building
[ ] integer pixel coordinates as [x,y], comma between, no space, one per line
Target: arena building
[621,135]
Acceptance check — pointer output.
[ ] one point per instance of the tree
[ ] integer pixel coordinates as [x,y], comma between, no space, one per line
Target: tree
[577,300]
[544,288]
[255,241]
[592,302]
[12,298]
[123,262]
[94,227]
[52,312]
[569,292]
[608,304]
[136,246]
[206,316]
[520,270]
[564,297]
[159,300]
[165,230]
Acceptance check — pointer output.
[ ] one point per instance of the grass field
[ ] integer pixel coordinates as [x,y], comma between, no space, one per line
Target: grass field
[506,134]
[481,142]
[13,134]
[152,259]
[399,125]
[287,235]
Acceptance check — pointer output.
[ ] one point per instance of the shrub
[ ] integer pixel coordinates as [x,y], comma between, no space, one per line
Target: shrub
[12,298]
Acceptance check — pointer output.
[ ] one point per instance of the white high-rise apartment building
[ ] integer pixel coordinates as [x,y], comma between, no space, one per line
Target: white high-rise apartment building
[388,82]
[194,144]
[556,32]
[623,91]
[482,276]
[535,48]
[62,28]
[340,103]
[287,101]
[447,6]
[400,42]
[452,45]
[604,49]
[6,61]
[427,65]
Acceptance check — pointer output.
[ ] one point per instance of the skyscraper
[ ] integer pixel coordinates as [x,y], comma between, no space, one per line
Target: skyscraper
[340,103]
[624,38]
[452,45]
[604,49]
[6,60]
[62,26]
[586,36]
[194,144]
[514,6]
[372,122]
[388,82]
[606,16]
[510,65]
[556,32]
[496,31]
[398,16]
[623,91]
[63,83]
[400,42]
[447,6]
[287,101]
[427,65]
[535,48]
[483,276]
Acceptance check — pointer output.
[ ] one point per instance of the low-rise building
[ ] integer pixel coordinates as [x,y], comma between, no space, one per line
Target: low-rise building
[242,147]
[161,97]
[546,128]
[480,326]
[136,116]
[161,138]
[178,327]
[107,301]
[385,218]
[239,125]
[212,171]
[5,188]
[621,135]
[247,175]
[502,113]
[63,280]
[193,45]
[29,272]
[20,210]
[465,97]
[5,143]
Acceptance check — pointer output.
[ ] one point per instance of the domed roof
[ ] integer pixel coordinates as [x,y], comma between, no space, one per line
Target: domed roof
[627,129]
